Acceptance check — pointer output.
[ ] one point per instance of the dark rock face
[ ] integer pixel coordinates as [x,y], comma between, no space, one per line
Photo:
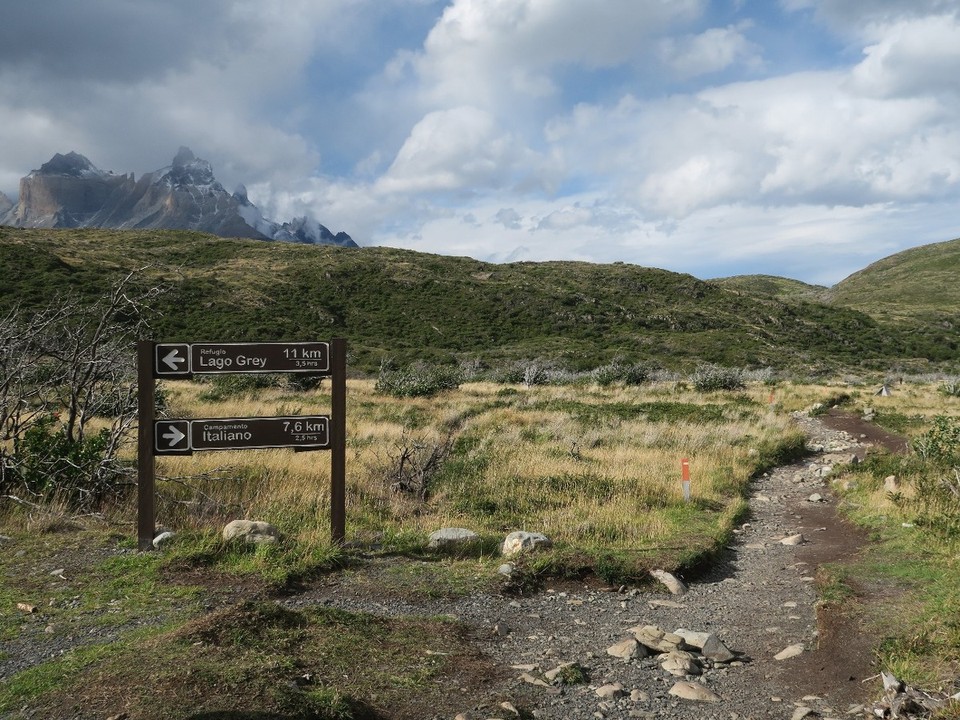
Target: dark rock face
[69,191]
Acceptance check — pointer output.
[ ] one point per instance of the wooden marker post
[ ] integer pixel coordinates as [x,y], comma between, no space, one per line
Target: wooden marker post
[146,466]
[685,478]
[184,436]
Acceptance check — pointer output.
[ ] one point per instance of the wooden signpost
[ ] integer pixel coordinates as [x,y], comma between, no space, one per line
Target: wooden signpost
[186,436]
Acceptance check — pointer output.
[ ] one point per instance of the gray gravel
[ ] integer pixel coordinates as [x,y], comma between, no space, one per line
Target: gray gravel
[758,601]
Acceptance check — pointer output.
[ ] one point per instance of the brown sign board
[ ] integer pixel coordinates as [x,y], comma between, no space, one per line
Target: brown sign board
[183,360]
[183,437]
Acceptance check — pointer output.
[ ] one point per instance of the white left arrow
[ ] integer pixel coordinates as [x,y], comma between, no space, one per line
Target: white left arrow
[173,360]
[174,435]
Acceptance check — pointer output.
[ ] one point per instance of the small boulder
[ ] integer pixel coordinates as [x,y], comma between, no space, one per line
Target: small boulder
[452,538]
[627,649]
[673,584]
[797,539]
[162,539]
[714,649]
[680,664]
[891,484]
[656,639]
[251,531]
[611,691]
[692,637]
[789,652]
[522,541]
[693,691]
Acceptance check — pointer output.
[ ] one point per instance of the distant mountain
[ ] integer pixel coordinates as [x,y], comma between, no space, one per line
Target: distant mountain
[69,191]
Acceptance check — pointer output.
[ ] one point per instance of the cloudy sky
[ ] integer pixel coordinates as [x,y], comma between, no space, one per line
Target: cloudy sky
[803,138]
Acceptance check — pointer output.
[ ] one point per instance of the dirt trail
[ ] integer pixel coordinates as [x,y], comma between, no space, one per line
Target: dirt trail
[759,600]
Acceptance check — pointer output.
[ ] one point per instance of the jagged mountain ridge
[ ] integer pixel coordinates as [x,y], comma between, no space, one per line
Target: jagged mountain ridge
[69,191]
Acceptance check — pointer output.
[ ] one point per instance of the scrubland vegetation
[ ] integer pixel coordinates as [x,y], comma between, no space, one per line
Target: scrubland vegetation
[578,437]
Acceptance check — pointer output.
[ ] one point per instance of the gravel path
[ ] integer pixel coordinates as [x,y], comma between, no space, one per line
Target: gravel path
[758,601]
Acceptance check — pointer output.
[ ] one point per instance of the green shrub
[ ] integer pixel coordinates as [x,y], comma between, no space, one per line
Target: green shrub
[708,378]
[627,373]
[46,463]
[417,381]
[234,385]
[951,388]
[941,444]
[937,498]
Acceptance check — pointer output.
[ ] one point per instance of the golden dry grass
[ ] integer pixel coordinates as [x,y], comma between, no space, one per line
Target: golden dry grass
[550,459]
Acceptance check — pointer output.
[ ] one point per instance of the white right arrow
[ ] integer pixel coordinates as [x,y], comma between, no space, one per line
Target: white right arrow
[173,359]
[174,436]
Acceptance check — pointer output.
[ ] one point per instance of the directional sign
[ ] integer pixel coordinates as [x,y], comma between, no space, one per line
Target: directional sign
[171,360]
[181,437]
[305,357]
[183,360]
[171,437]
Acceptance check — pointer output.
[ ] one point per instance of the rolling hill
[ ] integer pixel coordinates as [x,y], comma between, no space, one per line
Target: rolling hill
[404,305]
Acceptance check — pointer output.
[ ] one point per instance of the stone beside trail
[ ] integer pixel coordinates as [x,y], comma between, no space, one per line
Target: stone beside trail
[758,605]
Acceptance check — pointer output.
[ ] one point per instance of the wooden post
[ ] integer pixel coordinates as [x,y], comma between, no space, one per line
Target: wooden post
[338,440]
[685,478]
[146,467]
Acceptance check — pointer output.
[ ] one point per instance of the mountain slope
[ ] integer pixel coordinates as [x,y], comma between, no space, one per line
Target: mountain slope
[778,287]
[920,283]
[69,191]
[405,305]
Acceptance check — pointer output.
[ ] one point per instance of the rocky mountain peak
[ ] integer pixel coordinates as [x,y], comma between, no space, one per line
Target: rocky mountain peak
[70,191]
[183,157]
[71,165]
[188,170]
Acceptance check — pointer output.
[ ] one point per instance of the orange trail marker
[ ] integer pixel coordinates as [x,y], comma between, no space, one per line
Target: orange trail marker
[685,478]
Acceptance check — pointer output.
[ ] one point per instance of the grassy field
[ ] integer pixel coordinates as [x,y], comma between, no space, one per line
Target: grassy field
[595,468]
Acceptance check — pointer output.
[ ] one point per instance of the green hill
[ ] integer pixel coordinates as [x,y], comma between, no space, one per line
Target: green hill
[916,284]
[778,287]
[405,305]
[914,292]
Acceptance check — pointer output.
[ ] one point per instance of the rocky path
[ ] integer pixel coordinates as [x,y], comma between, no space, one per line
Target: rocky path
[759,602]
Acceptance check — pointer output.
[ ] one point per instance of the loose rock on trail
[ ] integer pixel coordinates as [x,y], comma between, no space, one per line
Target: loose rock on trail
[744,641]
[759,601]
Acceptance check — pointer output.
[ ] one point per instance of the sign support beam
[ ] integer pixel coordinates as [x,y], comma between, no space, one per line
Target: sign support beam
[146,465]
[180,437]
[338,437]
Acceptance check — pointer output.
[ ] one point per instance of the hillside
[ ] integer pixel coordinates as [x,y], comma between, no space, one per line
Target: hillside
[916,284]
[405,305]
[778,287]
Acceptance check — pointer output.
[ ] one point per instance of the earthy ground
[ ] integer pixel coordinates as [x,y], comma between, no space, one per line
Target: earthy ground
[759,599]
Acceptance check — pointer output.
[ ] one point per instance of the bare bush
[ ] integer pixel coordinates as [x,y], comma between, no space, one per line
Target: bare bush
[61,368]
[414,463]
